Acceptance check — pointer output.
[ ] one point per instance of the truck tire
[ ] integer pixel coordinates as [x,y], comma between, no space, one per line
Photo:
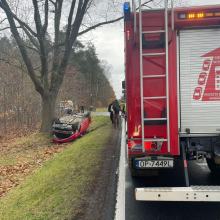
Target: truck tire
[214,168]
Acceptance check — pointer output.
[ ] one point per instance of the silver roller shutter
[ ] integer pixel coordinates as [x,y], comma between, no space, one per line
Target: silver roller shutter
[199,84]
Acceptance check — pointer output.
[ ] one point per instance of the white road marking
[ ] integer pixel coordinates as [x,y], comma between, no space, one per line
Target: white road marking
[120,199]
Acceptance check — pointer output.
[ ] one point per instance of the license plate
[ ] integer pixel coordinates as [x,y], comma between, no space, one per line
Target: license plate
[145,163]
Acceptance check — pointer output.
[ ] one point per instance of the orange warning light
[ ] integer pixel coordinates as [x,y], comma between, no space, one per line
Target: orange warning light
[191,16]
[209,14]
[200,15]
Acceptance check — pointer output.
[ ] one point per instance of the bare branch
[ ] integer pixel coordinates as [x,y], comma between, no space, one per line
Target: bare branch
[110,21]
[82,7]
[32,48]
[57,14]
[37,17]
[70,19]
[56,80]
[56,52]
[100,24]
[27,31]
[145,4]
[41,31]
[23,24]
[52,2]
[5,28]
[46,11]
[32,39]
[4,5]
[3,20]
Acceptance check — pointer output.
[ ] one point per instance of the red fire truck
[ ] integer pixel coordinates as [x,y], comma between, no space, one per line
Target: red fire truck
[172,61]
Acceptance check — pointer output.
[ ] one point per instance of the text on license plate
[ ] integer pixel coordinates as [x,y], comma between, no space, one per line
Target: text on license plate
[154,163]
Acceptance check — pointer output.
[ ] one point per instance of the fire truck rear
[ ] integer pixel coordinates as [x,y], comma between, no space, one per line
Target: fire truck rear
[172,59]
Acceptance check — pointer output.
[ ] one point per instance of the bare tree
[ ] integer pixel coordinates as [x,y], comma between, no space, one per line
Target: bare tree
[52,43]
[53,54]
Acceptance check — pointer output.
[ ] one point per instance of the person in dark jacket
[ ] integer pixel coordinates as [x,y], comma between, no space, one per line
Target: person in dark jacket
[116,111]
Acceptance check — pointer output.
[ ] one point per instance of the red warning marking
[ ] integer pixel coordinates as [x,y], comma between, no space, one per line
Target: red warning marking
[208,88]
[202,78]
[197,93]
[147,146]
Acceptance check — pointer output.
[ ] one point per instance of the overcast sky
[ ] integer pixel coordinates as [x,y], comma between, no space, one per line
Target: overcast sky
[109,42]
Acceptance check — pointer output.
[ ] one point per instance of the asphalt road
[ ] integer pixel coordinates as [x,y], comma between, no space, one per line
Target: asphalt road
[101,200]
[199,175]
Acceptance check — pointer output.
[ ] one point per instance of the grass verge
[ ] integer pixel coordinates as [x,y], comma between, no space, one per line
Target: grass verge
[19,157]
[58,189]
[103,109]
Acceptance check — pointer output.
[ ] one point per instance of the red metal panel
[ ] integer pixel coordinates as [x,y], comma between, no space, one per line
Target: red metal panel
[173,96]
[152,87]
[152,21]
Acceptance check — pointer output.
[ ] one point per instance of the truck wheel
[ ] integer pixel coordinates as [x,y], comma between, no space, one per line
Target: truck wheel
[214,168]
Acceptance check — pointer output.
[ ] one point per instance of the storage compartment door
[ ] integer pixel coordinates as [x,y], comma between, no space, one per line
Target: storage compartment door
[200,80]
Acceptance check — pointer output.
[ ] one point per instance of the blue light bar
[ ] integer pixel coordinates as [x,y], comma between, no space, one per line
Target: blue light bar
[127,11]
[126,7]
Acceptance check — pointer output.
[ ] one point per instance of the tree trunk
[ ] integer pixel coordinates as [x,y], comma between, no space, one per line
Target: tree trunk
[48,112]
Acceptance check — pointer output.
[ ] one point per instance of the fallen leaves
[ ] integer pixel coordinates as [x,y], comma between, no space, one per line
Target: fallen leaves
[10,176]
[22,159]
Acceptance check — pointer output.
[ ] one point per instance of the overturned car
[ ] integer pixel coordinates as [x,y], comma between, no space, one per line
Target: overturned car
[70,127]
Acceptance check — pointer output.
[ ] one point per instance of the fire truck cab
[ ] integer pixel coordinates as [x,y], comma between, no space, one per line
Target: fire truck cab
[172,62]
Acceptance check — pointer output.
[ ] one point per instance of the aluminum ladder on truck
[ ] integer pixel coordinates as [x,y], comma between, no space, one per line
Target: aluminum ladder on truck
[186,194]
[142,76]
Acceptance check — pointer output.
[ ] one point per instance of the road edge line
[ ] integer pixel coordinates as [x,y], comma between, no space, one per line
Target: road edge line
[120,197]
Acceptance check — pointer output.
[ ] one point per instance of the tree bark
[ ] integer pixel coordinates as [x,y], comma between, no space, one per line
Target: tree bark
[48,112]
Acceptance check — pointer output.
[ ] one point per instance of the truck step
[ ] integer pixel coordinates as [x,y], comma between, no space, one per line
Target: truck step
[153,54]
[186,194]
[155,119]
[153,32]
[154,139]
[154,97]
[154,76]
